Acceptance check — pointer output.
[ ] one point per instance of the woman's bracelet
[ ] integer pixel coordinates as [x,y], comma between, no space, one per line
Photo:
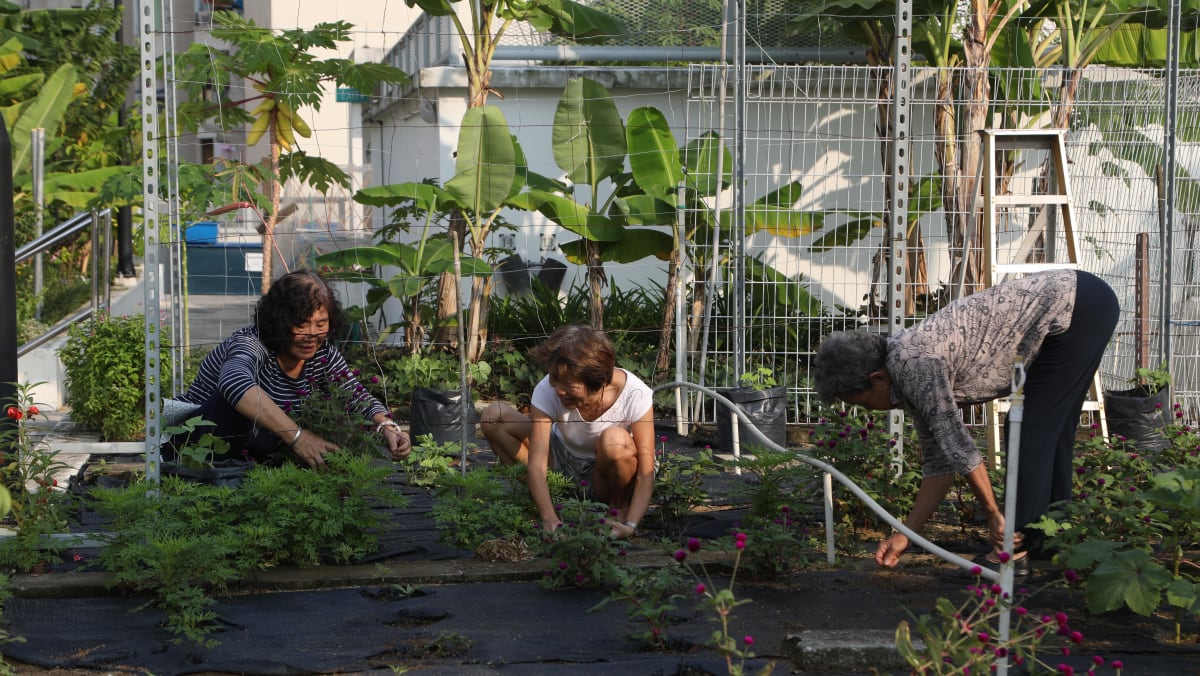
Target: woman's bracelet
[387,423]
[296,437]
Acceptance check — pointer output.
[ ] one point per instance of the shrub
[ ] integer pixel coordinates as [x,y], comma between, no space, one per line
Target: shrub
[104,358]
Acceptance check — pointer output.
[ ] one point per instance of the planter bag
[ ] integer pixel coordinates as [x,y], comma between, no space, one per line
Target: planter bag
[1139,418]
[767,409]
[439,413]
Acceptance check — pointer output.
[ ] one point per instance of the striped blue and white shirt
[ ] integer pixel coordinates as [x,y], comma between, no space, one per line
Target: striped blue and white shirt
[242,361]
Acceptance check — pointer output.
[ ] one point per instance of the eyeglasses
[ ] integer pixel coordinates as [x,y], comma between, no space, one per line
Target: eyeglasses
[304,332]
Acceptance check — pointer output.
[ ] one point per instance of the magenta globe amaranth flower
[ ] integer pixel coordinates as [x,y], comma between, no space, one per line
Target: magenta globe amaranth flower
[680,555]
[700,589]
[748,640]
[693,545]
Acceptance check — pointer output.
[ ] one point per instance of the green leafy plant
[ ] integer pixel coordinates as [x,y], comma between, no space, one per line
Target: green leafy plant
[679,485]
[480,504]
[1130,531]
[777,478]
[650,595]
[759,378]
[582,552]
[29,498]
[104,359]
[721,602]
[965,638]
[195,538]
[431,462]
[853,442]
[1152,380]
[778,546]
[200,451]
[336,413]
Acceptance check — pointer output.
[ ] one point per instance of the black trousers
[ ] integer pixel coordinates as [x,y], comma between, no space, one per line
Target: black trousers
[246,440]
[1056,385]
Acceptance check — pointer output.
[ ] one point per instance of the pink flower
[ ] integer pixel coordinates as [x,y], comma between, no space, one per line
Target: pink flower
[1070,575]
[749,641]
[680,555]
[1004,557]
[700,589]
[693,545]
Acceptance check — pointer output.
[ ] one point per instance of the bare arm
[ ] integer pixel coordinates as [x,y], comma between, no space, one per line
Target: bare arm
[538,466]
[929,496]
[257,406]
[643,438]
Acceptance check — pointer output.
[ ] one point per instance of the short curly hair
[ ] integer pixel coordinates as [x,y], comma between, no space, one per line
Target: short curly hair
[578,353]
[289,303]
[845,361]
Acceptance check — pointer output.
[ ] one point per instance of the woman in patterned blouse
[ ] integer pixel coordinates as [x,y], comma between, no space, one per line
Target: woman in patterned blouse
[247,384]
[1059,321]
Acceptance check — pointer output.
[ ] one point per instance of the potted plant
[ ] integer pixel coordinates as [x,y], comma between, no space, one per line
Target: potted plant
[1141,412]
[762,400]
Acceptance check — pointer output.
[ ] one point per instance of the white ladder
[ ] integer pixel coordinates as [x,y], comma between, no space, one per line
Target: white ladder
[1054,210]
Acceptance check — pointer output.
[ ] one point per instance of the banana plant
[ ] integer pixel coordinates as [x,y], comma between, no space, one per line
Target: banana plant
[480,25]
[490,174]
[287,78]
[417,266]
[590,145]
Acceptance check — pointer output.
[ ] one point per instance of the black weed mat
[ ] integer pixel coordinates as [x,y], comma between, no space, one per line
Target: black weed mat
[520,628]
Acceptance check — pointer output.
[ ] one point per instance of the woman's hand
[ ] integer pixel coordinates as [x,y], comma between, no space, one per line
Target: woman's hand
[622,530]
[996,533]
[311,448]
[398,443]
[552,524]
[889,551]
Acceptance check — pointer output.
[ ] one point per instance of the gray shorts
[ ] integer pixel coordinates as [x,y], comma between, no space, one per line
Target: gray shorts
[572,466]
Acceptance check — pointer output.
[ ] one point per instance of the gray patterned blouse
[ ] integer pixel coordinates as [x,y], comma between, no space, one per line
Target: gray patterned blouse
[963,354]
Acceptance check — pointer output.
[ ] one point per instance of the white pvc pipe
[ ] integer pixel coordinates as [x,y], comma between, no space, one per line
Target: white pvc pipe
[833,472]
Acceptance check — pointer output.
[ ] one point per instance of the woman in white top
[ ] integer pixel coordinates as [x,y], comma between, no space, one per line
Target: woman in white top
[589,420]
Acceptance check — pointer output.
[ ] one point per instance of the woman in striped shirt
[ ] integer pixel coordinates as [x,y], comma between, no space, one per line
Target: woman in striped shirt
[249,382]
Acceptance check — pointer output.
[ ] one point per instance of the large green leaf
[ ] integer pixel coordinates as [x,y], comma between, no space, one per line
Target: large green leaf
[636,244]
[46,111]
[569,19]
[588,136]
[569,214]
[426,197]
[11,85]
[845,234]
[433,7]
[775,212]
[1129,578]
[701,156]
[485,167]
[653,154]
[645,210]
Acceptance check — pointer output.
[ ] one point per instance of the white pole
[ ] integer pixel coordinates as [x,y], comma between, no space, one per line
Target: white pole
[1016,413]
[38,136]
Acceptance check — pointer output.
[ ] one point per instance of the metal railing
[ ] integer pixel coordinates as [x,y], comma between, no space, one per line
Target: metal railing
[100,223]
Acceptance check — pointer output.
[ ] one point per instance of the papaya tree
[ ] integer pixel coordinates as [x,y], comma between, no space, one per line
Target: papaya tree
[286,79]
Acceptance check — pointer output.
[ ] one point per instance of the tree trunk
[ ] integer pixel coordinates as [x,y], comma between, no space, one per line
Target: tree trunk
[272,218]
[596,282]
[976,93]
[662,361]
[446,334]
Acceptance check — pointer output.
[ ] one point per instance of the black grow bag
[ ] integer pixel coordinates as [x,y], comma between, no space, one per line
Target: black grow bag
[439,413]
[767,410]
[1139,417]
